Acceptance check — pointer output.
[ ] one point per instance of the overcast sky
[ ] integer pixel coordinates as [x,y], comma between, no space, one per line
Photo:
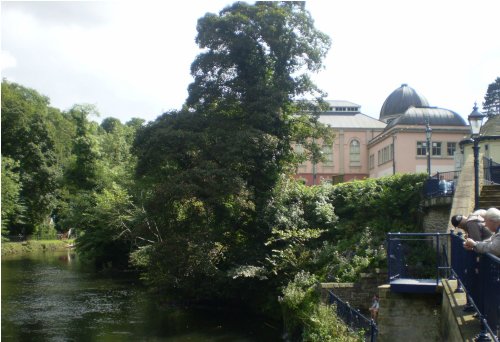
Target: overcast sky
[132,58]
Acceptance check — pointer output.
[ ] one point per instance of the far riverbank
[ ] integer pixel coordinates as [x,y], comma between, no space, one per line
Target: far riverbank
[15,248]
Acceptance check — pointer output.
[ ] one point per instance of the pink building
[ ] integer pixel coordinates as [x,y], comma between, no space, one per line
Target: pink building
[396,143]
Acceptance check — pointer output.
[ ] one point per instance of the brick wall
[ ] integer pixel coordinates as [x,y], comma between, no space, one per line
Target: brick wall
[359,294]
[408,316]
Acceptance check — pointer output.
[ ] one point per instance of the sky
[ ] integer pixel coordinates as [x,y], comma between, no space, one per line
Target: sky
[132,58]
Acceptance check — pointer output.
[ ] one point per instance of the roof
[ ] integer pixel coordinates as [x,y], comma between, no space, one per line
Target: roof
[400,100]
[350,120]
[342,103]
[433,115]
[492,126]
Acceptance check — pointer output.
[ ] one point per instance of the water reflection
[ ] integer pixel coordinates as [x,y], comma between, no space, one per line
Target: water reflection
[50,297]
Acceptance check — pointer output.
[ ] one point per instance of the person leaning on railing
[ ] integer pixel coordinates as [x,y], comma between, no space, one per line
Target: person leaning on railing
[473,225]
[491,245]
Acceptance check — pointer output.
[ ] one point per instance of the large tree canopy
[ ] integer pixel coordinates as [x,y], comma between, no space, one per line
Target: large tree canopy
[257,55]
[26,139]
[209,171]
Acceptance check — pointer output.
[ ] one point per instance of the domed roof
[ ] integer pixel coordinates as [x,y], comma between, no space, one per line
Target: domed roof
[399,101]
[433,115]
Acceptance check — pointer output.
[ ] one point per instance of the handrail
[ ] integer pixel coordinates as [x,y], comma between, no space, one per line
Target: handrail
[353,318]
[478,275]
[485,327]
[397,251]
[442,184]
[491,171]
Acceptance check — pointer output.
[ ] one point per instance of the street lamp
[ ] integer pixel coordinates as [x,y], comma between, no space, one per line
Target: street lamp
[475,121]
[428,135]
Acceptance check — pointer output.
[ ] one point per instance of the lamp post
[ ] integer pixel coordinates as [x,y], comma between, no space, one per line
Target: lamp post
[476,120]
[428,135]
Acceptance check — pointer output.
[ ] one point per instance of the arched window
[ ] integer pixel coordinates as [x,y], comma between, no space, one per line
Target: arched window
[354,153]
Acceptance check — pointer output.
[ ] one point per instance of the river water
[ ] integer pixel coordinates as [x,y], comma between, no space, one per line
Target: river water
[51,297]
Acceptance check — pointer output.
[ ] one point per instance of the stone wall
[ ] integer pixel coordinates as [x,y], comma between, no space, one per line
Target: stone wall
[408,316]
[436,214]
[358,295]
[457,324]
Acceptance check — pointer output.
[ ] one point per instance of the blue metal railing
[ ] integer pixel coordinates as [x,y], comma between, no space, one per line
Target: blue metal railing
[353,318]
[491,171]
[441,184]
[479,276]
[416,256]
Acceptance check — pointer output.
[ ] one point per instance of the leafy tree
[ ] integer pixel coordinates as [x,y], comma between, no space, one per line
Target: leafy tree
[491,104]
[26,139]
[209,170]
[300,216]
[110,124]
[83,173]
[105,223]
[12,208]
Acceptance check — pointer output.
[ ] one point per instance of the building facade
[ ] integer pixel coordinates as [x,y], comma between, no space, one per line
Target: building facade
[395,143]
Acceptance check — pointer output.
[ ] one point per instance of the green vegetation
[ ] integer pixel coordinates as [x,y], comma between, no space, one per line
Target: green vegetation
[306,320]
[15,248]
[202,200]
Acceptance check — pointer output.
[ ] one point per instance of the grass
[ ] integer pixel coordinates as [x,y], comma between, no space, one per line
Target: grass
[11,248]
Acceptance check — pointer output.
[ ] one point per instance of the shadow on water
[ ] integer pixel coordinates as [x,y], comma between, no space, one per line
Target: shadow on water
[51,297]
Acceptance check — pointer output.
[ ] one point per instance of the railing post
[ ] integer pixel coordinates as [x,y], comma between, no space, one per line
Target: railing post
[373,331]
[483,335]
[437,259]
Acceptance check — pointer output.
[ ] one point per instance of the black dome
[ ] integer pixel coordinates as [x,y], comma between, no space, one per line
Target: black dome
[399,101]
[433,115]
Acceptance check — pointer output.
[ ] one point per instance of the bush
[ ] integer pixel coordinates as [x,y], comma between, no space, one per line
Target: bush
[306,319]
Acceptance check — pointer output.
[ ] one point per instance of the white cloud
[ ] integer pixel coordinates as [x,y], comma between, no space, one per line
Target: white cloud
[7,60]
[133,58]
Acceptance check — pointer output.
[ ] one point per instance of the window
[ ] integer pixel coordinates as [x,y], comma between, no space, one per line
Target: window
[451,147]
[327,155]
[436,148]
[386,154]
[421,148]
[371,161]
[354,151]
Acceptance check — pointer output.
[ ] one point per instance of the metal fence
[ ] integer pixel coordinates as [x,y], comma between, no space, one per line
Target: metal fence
[424,255]
[479,276]
[491,171]
[441,184]
[353,318]
[416,256]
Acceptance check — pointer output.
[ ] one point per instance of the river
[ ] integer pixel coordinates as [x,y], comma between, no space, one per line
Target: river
[51,297]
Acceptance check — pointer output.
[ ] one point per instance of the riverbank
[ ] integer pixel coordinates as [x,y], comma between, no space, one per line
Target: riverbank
[12,248]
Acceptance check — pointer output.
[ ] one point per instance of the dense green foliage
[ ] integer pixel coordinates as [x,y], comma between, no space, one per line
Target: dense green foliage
[307,320]
[210,170]
[27,141]
[60,171]
[202,200]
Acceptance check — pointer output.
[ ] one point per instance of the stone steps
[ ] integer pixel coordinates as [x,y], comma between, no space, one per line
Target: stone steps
[490,196]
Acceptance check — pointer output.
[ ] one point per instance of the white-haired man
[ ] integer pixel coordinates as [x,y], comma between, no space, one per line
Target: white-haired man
[491,245]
